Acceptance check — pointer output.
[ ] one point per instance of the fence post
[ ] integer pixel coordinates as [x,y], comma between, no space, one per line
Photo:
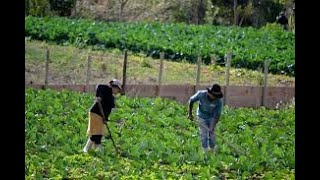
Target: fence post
[213,63]
[47,67]
[228,64]
[213,60]
[160,73]
[124,72]
[198,72]
[88,72]
[264,90]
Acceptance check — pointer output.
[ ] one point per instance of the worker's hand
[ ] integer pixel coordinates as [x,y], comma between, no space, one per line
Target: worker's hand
[122,93]
[215,122]
[98,99]
[211,129]
[190,116]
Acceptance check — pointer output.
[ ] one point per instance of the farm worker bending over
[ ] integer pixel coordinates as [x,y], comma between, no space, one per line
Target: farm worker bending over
[104,94]
[208,112]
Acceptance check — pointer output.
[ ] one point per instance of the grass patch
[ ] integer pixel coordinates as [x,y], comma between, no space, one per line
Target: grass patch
[68,65]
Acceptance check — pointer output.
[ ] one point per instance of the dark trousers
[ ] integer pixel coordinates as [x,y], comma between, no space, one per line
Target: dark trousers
[96,139]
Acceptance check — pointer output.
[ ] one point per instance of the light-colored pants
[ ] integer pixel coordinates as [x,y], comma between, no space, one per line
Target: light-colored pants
[205,134]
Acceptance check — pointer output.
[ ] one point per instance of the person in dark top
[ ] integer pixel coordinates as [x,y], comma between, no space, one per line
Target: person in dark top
[104,94]
[282,20]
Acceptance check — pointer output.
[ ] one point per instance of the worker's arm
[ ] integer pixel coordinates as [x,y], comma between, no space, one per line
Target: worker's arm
[190,116]
[98,99]
[216,121]
[218,115]
[192,99]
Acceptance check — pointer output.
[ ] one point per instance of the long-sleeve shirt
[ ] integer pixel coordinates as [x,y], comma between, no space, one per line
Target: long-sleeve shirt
[207,109]
[107,100]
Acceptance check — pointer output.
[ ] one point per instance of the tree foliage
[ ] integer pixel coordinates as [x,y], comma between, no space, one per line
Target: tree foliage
[255,13]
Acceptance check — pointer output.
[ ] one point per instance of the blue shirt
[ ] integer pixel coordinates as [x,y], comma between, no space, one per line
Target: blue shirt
[207,109]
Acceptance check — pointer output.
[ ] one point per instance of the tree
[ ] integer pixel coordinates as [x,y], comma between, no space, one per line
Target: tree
[197,11]
[62,7]
[225,11]
[202,8]
[235,4]
[122,6]
[245,11]
[291,14]
[37,7]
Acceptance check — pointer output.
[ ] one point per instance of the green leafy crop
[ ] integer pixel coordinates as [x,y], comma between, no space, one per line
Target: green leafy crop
[157,141]
[250,46]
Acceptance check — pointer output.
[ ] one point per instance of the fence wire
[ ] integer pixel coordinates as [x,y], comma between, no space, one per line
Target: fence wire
[69,65]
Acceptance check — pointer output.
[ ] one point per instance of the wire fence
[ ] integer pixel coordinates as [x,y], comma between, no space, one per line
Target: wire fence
[82,69]
[64,65]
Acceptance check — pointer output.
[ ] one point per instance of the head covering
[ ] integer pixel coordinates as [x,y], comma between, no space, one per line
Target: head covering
[116,82]
[215,90]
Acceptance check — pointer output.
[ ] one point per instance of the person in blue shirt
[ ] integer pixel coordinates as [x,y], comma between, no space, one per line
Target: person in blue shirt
[208,113]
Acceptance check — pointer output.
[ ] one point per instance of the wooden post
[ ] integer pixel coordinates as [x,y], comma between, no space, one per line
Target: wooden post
[264,90]
[213,63]
[124,71]
[88,73]
[161,68]
[198,72]
[213,60]
[47,68]
[160,73]
[228,64]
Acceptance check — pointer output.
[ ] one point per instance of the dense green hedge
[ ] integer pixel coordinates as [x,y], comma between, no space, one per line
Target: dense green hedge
[179,41]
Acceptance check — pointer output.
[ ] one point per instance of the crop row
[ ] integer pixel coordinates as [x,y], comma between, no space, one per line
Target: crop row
[157,141]
[250,46]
